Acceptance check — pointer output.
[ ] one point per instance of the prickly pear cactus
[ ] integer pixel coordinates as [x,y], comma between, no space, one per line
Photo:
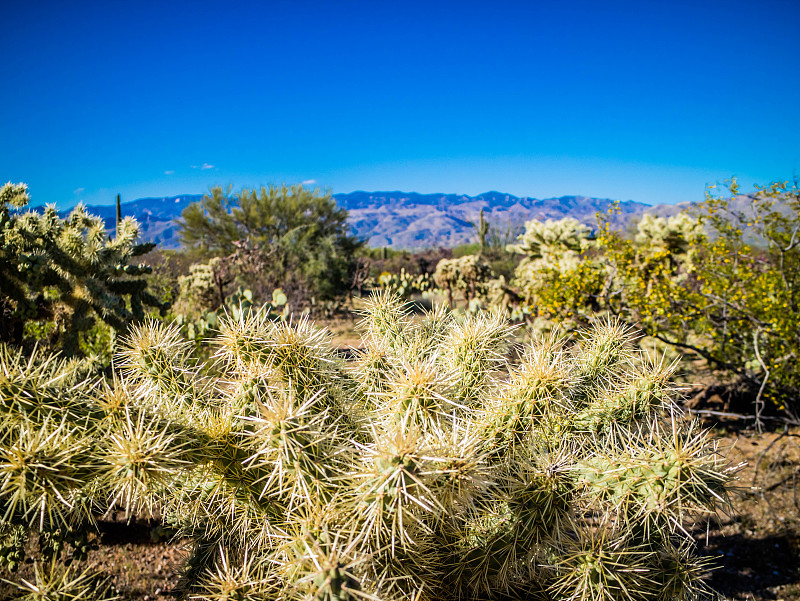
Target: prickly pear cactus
[402,284]
[429,468]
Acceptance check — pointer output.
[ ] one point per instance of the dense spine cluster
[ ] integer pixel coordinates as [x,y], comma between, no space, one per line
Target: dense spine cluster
[67,272]
[428,468]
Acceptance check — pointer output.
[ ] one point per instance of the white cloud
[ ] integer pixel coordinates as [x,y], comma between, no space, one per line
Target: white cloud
[207,166]
[308,182]
[169,172]
[79,191]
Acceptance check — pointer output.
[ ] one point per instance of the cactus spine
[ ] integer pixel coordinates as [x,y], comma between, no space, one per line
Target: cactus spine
[428,469]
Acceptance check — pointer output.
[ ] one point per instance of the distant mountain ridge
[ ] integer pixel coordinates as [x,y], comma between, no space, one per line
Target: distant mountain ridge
[412,221]
[400,220]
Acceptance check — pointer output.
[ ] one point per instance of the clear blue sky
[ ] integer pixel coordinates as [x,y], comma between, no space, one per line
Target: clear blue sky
[641,100]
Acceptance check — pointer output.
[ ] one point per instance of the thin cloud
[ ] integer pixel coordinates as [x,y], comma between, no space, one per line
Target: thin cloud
[169,172]
[308,182]
[79,191]
[207,166]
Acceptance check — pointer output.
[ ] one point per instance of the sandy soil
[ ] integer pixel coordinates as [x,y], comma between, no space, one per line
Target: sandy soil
[758,546]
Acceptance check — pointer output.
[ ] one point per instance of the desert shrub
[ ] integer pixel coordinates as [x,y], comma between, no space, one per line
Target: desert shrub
[741,295]
[277,237]
[719,282]
[429,468]
[393,261]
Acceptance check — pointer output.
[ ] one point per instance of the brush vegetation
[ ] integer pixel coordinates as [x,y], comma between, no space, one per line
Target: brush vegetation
[719,283]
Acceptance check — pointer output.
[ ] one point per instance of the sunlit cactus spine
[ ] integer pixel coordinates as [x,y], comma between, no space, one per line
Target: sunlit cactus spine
[52,470]
[53,582]
[428,468]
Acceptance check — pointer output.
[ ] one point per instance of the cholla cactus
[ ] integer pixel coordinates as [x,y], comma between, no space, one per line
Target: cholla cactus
[51,466]
[66,271]
[199,290]
[427,469]
[238,304]
[468,274]
[676,234]
[53,583]
[667,246]
[15,195]
[557,276]
[551,238]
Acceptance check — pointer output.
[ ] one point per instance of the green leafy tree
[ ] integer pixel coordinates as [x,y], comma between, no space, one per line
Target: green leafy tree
[298,239]
[60,276]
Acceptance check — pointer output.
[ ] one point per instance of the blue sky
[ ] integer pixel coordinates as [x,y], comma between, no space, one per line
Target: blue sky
[627,100]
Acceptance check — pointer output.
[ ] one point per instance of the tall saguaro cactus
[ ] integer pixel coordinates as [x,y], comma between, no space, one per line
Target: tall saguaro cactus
[483,231]
[119,214]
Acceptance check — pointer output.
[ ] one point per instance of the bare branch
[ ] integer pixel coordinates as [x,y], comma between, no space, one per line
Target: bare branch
[759,400]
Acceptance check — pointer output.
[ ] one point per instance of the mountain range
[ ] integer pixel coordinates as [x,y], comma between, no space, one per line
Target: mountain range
[402,220]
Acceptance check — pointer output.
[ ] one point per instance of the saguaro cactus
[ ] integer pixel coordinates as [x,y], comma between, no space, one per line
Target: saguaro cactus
[483,231]
[119,214]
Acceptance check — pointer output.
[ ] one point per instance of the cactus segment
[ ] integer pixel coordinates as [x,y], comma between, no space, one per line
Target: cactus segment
[428,468]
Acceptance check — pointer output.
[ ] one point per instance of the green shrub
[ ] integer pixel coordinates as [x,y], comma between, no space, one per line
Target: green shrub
[719,283]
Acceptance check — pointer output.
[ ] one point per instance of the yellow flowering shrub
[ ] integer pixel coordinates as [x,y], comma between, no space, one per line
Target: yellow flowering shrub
[719,282]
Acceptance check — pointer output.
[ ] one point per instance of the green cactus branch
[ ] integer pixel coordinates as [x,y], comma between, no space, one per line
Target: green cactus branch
[66,271]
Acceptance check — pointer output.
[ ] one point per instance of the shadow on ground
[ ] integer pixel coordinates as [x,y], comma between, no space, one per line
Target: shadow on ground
[751,565]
